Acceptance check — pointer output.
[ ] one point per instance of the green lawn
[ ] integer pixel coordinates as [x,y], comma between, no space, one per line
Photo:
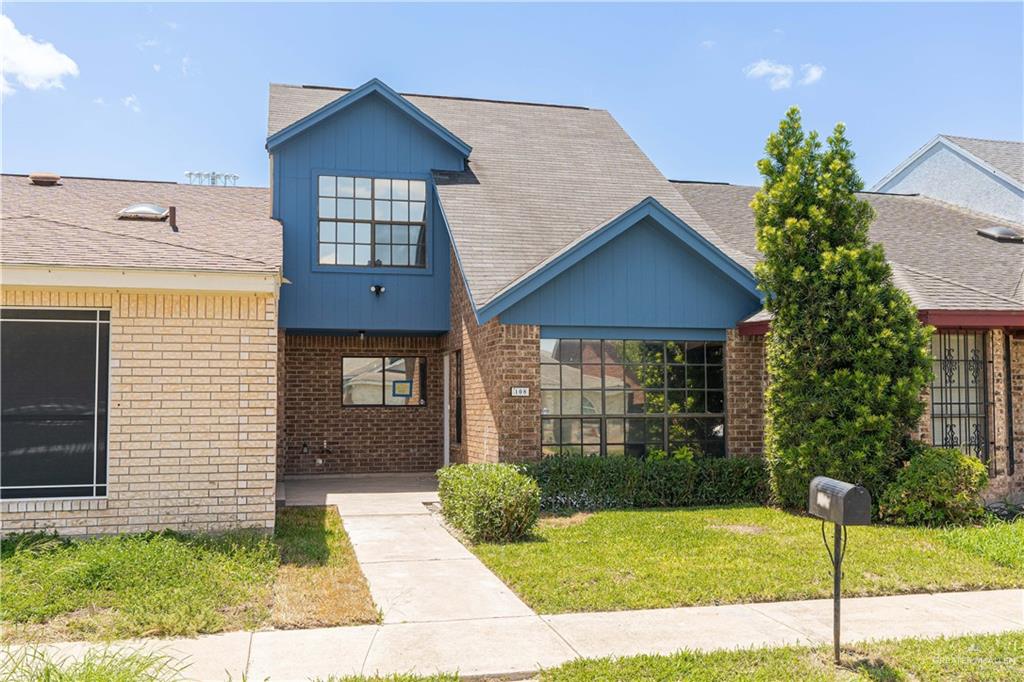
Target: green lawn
[170,584]
[985,658]
[638,559]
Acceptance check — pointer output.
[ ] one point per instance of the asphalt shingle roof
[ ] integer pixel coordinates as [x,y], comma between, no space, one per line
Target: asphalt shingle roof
[936,254]
[75,224]
[540,177]
[1003,155]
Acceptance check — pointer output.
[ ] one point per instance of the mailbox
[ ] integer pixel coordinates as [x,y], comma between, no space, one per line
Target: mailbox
[839,502]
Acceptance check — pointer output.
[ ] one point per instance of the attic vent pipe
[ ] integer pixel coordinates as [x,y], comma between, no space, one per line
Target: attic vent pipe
[43,179]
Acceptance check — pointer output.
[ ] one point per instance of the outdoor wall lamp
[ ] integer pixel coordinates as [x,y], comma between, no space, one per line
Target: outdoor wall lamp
[377,289]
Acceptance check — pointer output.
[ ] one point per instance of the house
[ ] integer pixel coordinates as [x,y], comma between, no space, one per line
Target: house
[429,280]
[982,175]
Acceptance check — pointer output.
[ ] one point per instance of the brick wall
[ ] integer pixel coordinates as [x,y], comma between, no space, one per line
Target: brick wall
[745,381]
[359,439]
[746,377]
[495,357]
[192,414]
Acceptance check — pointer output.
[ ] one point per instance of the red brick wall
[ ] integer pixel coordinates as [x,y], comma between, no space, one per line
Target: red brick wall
[495,357]
[360,439]
[1002,482]
[745,381]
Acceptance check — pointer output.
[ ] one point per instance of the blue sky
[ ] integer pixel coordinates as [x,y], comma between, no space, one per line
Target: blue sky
[161,89]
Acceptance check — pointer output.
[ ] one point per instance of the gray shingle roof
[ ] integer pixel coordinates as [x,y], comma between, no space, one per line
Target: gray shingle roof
[540,177]
[75,224]
[936,254]
[1003,155]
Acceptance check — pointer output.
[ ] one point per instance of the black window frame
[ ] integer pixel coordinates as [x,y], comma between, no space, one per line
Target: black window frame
[962,368]
[422,364]
[640,420]
[100,319]
[417,247]
[458,396]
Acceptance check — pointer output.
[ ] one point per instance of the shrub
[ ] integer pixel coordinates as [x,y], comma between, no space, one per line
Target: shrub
[846,355]
[488,502]
[579,483]
[936,487]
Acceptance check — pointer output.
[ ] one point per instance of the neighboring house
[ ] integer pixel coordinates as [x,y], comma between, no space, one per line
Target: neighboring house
[138,356]
[462,280]
[982,175]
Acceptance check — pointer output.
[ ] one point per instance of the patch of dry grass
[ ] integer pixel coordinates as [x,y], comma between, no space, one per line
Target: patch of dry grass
[319,582]
[560,521]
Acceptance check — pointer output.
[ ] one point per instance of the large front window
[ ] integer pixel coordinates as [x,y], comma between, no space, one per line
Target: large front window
[53,401]
[371,222]
[637,398]
[384,381]
[959,392]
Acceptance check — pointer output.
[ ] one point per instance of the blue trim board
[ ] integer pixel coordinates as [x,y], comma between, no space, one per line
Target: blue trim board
[632,333]
[372,86]
[648,208]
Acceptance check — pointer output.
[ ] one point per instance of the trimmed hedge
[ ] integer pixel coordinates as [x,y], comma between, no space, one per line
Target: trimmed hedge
[936,487]
[581,483]
[488,502]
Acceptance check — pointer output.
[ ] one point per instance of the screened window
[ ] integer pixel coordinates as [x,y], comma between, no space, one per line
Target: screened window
[53,402]
[384,381]
[373,222]
[637,398]
[959,392]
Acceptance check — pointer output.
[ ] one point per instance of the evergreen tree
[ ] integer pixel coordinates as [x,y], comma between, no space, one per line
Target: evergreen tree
[846,356]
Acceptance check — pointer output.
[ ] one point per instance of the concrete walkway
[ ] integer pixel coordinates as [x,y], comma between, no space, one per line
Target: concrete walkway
[443,611]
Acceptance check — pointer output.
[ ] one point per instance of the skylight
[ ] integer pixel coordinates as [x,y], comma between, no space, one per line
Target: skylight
[1001,233]
[143,212]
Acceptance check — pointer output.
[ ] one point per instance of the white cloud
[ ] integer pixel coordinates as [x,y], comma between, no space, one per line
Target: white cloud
[35,65]
[173,25]
[812,73]
[186,66]
[146,44]
[131,102]
[778,31]
[99,101]
[707,44]
[780,76]
[156,67]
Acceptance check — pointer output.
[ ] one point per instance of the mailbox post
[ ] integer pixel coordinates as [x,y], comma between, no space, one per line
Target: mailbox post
[844,504]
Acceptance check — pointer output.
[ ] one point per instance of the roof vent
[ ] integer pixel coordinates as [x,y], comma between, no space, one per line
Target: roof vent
[1001,233]
[43,179]
[143,212]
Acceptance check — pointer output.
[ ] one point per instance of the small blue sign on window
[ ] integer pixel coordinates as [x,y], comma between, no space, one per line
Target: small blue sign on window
[401,389]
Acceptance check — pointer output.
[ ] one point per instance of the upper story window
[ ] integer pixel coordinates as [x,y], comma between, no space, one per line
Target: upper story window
[371,222]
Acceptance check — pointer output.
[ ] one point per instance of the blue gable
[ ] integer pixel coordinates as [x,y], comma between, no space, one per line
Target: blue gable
[369,136]
[641,276]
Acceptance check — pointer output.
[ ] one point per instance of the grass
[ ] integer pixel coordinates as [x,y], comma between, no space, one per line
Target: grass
[106,665]
[639,559]
[982,658]
[171,584]
[319,582]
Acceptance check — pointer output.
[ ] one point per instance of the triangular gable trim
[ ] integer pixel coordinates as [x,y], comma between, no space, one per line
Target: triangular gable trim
[953,146]
[590,242]
[373,86]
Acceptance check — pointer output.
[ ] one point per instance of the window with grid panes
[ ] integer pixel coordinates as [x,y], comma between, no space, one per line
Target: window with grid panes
[637,398]
[371,222]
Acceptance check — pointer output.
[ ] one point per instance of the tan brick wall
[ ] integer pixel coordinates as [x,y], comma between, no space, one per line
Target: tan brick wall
[496,357]
[192,414]
[745,381]
[359,439]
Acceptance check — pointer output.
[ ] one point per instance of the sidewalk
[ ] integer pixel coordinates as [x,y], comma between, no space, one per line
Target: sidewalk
[517,645]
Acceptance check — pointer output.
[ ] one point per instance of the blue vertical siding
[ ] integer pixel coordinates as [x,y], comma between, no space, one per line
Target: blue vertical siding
[371,137]
[645,278]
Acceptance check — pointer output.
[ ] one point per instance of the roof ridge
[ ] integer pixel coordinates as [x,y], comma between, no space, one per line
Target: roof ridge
[981,215]
[307,86]
[137,238]
[954,282]
[138,180]
[980,139]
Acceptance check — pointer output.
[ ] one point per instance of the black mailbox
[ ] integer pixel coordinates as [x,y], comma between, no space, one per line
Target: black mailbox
[839,502]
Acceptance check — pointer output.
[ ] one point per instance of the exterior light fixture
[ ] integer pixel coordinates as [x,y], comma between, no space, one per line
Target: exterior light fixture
[377,289]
